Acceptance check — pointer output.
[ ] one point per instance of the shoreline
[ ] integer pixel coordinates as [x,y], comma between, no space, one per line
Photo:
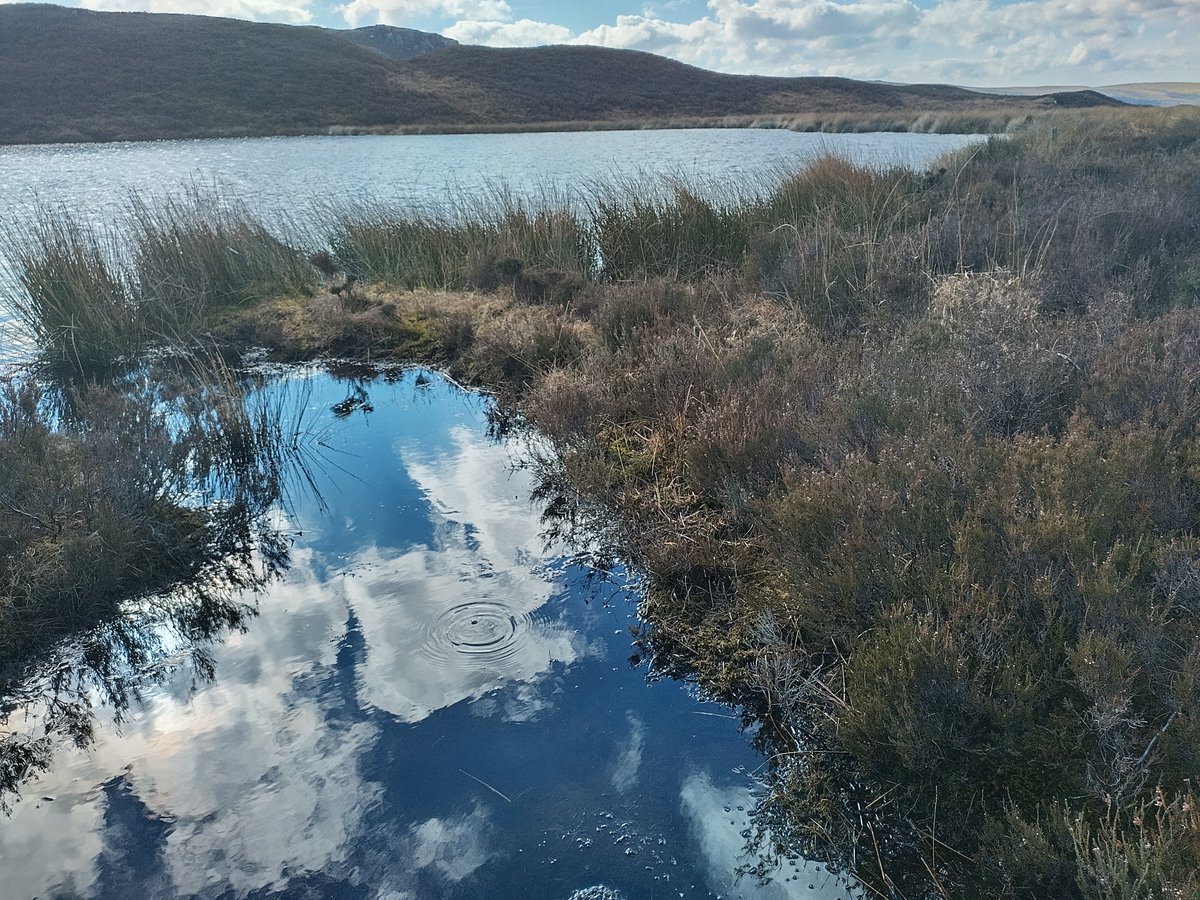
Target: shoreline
[921,122]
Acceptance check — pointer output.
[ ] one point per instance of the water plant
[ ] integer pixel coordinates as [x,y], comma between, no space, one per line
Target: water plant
[942,548]
[462,245]
[93,295]
[75,297]
[202,250]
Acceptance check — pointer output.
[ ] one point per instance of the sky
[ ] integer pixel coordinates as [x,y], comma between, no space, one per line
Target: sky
[995,43]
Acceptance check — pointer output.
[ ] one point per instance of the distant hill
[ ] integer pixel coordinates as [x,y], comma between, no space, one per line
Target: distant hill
[395,43]
[1163,93]
[548,84]
[1154,93]
[77,75]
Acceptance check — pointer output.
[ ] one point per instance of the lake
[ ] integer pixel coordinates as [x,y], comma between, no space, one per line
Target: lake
[292,174]
[293,178]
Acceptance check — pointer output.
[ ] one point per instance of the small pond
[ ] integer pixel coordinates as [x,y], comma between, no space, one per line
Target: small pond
[430,703]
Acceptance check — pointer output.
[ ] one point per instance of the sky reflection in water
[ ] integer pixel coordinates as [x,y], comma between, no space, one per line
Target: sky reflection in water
[430,705]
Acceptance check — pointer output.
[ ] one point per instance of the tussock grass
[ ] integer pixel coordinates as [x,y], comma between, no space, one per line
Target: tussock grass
[201,250]
[109,492]
[75,298]
[94,296]
[458,248]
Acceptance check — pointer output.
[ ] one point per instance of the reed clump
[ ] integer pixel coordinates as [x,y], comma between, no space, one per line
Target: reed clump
[461,248]
[94,295]
[133,531]
[74,297]
[201,251]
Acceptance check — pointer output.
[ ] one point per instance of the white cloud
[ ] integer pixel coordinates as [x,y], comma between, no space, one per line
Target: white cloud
[455,848]
[958,41]
[629,760]
[408,12]
[296,13]
[692,42]
[523,33]
[987,42]
[458,620]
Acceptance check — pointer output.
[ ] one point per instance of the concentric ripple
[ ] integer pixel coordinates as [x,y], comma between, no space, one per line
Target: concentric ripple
[487,633]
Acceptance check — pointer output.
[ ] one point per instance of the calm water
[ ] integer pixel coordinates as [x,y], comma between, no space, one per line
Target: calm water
[289,174]
[430,704]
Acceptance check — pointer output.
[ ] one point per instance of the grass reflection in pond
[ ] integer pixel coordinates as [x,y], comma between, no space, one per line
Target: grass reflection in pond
[134,530]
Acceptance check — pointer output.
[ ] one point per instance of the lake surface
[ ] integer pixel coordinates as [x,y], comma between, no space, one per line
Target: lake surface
[430,704]
[290,174]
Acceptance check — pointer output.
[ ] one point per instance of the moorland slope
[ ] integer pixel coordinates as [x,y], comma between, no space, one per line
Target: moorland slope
[79,75]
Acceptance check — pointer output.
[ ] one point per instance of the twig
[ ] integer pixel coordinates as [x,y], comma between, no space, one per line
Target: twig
[498,793]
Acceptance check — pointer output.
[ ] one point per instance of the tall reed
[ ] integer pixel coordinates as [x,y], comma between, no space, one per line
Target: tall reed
[686,231]
[454,246]
[204,249]
[94,295]
[75,295]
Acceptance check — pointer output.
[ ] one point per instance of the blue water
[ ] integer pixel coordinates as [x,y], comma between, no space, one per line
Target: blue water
[295,175]
[431,703]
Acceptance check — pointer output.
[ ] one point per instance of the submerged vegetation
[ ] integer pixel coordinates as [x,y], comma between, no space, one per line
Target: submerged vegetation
[910,461]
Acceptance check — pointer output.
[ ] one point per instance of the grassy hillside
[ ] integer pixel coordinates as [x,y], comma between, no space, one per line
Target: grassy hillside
[77,75]
[80,75]
[551,83]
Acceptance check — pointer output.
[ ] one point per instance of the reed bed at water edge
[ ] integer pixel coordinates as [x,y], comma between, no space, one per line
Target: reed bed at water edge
[93,295]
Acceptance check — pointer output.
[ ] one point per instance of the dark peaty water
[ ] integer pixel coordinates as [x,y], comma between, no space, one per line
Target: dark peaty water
[430,705]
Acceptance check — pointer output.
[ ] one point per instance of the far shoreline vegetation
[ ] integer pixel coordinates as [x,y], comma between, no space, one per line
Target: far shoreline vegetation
[909,460]
[933,121]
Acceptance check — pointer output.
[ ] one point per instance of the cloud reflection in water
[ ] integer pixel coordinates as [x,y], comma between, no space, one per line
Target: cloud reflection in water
[717,816]
[358,737]
[261,784]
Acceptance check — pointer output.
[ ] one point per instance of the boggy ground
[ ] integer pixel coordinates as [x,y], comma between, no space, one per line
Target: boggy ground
[910,462]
